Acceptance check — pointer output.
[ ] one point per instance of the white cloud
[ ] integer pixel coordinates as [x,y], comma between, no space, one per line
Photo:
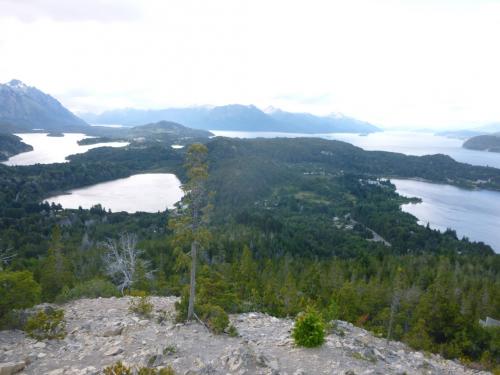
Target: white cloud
[61,10]
[395,63]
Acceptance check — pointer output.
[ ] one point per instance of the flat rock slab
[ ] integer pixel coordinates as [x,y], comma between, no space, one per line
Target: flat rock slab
[9,368]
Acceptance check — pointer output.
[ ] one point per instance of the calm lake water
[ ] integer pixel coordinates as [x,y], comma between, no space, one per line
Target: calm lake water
[471,213]
[474,214]
[47,150]
[149,192]
[409,143]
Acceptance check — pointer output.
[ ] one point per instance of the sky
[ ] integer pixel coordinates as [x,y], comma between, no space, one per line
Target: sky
[397,64]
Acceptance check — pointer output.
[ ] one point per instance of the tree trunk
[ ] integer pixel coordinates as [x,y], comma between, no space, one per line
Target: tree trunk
[192,288]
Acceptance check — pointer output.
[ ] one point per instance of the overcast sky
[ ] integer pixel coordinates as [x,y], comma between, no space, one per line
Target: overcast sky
[421,63]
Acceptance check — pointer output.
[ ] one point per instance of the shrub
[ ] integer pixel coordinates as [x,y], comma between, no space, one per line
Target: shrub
[137,293]
[164,316]
[46,325]
[170,349]
[117,369]
[215,318]
[141,306]
[232,331]
[18,290]
[151,371]
[309,330]
[181,307]
[120,369]
[88,289]
[212,315]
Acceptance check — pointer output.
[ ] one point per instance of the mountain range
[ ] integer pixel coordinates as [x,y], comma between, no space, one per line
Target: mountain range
[25,108]
[235,117]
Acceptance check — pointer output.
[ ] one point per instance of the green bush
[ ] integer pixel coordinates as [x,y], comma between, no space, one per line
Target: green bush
[232,331]
[117,369]
[141,306]
[214,317]
[120,369]
[88,289]
[181,307]
[151,371]
[46,325]
[18,290]
[309,330]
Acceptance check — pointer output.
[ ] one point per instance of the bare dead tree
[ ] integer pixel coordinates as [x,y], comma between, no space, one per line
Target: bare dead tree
[122,259]
[6,255]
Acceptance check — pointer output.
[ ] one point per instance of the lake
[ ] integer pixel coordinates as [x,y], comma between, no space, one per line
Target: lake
[47,150]
[409,143]
[148,192]
[471,213]
[474,214]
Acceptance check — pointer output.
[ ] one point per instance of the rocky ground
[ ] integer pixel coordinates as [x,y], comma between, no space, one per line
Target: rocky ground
[103,331]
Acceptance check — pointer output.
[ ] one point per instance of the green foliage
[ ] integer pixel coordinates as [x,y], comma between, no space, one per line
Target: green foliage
[119,368]
[309,329]
[214,317]
[140,280]
[18,290]
[46,325]
[170,349]
[88,289]
[141,306]
[232,331]
[151,371]
[55,271]
[275,246]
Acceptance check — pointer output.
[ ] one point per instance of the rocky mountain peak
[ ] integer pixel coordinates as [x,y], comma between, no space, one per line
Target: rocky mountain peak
[24,108]
[17,84]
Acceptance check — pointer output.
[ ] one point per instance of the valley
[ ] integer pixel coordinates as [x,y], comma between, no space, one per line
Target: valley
[294,221]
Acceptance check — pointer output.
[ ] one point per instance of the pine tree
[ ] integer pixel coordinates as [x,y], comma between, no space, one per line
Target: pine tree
[190,226]
[55,270]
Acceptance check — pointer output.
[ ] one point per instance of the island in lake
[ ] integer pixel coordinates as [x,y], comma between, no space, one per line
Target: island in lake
[490,142]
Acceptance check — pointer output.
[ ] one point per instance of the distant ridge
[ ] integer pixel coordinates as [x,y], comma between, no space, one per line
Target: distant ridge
[235,117]
[25,108]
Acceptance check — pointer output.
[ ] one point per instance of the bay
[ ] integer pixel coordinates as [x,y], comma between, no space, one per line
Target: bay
[47,150]
[471,213]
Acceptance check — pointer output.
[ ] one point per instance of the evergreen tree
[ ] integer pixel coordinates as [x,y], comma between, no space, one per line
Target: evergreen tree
[190,226]
[55,271]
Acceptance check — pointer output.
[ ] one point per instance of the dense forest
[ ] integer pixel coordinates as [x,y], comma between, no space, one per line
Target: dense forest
[294,223]
[11,144]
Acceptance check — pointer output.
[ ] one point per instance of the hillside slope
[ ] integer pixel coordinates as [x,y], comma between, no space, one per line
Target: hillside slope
[24,108]
[11,145]
[103,331]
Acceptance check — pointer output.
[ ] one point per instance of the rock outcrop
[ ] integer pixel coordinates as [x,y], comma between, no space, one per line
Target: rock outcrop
[103,331]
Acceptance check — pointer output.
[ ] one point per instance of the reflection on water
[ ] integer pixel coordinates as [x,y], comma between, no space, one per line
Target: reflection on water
[471,213]
[409,143]
[48,150]
[149,192]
